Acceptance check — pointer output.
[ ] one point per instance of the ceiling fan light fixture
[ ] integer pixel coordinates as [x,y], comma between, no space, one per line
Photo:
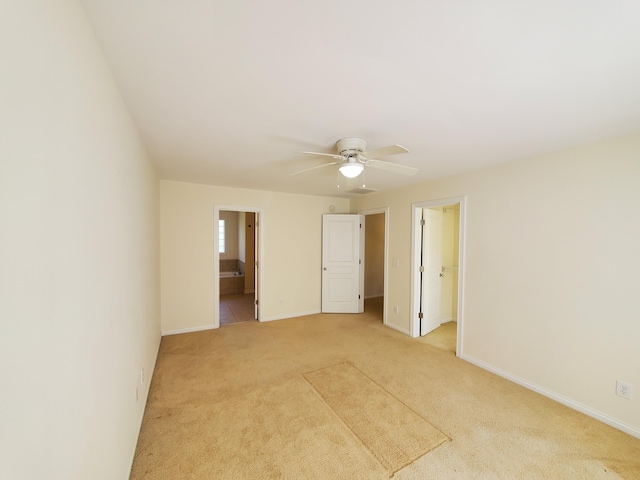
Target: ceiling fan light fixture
[351,170]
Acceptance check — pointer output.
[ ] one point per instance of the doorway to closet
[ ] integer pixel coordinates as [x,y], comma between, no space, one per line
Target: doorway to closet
[375,261]
[437,269]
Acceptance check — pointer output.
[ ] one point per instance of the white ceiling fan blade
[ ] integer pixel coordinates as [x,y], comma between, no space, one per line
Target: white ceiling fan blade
[392,167]
[313,168]
[385,151]
[332,155]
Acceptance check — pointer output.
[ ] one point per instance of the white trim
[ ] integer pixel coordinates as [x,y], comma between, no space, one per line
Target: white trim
[385,274]
[416,248]
[416,208]
[142,403]
[292,315]
[188,330]
[216,256]
[399,329]
[602,417]
[361,269]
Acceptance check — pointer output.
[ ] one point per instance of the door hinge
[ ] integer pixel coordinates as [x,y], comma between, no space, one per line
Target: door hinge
[358,297]
[360,262]
[422,222]
[256,302]
[421,269]
[420,315]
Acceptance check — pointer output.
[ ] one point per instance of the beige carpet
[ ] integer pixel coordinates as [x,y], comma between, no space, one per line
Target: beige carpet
[393,433]
[233,403]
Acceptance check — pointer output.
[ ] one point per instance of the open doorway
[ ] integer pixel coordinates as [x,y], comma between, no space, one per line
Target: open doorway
[438,266]
[236,255]
[375,258]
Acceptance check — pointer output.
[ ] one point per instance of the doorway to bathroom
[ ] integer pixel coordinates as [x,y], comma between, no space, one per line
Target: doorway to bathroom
[236,265]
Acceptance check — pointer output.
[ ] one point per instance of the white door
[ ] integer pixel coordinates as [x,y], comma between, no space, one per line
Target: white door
[256,256]
[342,277]
[431,270]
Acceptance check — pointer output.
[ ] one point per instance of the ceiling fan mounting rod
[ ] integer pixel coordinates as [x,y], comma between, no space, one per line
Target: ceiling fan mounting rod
[352,157]
[351,146]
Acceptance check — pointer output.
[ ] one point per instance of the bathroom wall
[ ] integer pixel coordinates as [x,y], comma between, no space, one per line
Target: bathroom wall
[231,234]
[230,265]
[246,251]
[242,237]
[250,254]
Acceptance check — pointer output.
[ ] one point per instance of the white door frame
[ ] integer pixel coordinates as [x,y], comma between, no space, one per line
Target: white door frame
[216,257]
[375,211]
[416,247]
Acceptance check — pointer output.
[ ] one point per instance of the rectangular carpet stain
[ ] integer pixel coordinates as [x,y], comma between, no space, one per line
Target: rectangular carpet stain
[393,433]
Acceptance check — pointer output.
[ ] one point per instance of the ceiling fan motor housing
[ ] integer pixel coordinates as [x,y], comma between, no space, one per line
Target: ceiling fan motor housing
[351,146]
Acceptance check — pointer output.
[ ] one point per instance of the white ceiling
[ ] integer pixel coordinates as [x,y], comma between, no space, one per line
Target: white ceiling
[228,92]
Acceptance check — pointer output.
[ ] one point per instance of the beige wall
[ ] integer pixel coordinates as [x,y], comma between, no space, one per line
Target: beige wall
[550,281]
[291,244]
[78,253]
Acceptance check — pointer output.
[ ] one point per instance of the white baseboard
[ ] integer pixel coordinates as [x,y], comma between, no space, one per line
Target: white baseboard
[290,315]
[398,329]
[188,330]
[604,418]
[150,369]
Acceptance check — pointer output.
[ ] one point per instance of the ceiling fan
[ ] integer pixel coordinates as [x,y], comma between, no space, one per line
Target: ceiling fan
[353,157]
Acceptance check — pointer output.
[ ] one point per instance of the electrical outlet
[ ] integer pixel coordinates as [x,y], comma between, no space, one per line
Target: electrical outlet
[396,310]
[624,389]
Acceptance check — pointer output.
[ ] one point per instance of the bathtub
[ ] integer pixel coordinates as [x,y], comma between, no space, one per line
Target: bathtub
[231,283]
[230,274]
